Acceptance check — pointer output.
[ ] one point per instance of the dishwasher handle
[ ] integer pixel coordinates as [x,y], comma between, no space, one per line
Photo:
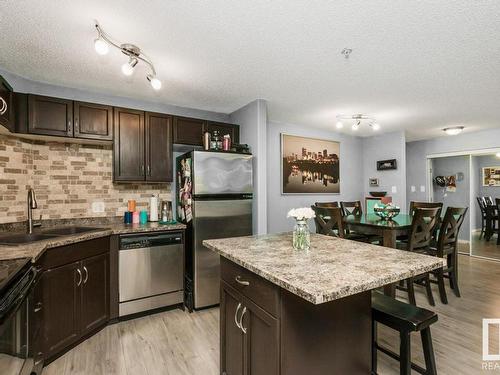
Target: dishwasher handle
[137,241]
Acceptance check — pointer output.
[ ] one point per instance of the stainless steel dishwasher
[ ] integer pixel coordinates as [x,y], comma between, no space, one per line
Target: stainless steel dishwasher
[151,271]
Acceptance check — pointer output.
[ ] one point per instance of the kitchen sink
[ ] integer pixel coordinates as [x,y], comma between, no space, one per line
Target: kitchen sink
[69,230]
[19,239]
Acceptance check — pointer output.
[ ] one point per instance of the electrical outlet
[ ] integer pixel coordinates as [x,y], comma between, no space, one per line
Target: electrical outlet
[413,188]
[394,189]
[97,207]
[422,188]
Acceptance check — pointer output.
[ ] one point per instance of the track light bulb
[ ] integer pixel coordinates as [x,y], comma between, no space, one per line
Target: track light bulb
[339,125]
[128,68]
[155,82]
[355,126]
[101,47]
[376,126]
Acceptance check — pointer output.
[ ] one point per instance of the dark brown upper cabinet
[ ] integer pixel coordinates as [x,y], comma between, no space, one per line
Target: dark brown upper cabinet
[6,105]
[142,146]
[159,150]
[188,131]
[128,145]
[93,121]
[50,116]
[222,128]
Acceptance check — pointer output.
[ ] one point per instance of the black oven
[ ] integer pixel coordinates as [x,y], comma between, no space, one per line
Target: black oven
[18,327]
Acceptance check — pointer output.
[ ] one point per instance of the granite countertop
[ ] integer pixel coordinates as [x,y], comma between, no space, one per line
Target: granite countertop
[332,269]
[34,250]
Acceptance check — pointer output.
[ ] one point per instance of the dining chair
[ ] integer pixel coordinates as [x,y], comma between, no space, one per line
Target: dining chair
[352,208]
[497,201]
[419,240]
[326,204]
[414,205]
[329,221]
[482,208]
[447,247]
[488,201]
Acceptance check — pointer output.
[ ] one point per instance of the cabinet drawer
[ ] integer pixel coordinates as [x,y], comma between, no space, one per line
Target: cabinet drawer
[259,290]
[59,256]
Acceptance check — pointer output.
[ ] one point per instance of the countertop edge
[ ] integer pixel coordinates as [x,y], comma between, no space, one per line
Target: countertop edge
[35,250]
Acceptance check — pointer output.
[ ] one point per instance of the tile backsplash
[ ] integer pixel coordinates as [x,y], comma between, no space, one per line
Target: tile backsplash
[67,179]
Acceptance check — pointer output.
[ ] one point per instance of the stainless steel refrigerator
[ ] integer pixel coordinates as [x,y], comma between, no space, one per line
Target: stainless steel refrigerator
[214,199]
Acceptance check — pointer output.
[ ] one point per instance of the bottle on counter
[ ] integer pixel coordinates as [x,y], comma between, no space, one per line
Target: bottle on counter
[226,143]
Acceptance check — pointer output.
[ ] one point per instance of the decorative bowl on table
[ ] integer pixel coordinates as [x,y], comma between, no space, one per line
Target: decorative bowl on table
[386,211]
[378,194]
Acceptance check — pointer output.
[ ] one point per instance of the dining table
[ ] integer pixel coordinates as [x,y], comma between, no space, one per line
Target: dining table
[387,229]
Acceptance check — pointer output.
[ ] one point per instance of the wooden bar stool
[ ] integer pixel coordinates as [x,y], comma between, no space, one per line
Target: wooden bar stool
[405,319]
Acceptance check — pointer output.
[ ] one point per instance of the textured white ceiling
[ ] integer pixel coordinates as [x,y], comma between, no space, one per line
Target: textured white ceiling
[418,66]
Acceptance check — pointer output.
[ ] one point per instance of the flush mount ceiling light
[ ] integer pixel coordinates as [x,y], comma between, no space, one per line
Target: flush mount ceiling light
[357,120]
[134,53]
[454,130]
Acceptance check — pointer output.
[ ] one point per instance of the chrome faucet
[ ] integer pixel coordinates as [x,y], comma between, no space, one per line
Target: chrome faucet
[31,206]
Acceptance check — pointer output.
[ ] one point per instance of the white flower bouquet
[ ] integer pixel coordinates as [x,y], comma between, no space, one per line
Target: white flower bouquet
[303,213]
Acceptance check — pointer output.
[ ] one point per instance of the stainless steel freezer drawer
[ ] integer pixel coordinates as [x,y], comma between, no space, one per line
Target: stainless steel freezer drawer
[215,219]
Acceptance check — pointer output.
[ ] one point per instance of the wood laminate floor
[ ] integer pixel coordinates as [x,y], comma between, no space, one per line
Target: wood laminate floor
[177,343]
[483,248]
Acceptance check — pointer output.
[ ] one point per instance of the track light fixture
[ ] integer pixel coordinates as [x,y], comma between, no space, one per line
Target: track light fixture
[358,119]
[134,53]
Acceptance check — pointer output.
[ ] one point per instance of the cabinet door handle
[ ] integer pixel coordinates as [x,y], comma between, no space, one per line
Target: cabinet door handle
[241,282]
[69,127]
[76,130]
[149,170]
[243,329]
[86,274]
[236,316]
[38,307]
[4,106]
[80,277]
[142,169]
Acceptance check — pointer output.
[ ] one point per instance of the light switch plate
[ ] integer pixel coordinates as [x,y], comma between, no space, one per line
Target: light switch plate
[422,188]
[413,188]
[97,207]
[394,189]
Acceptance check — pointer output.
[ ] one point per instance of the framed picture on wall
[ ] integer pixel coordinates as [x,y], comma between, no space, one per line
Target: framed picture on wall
[491,176]
[309,165]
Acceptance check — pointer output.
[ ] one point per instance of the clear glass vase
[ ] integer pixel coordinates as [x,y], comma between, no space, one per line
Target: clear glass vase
[301,236]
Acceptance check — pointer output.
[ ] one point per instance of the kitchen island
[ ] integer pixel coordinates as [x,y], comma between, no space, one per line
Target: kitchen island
[294,312]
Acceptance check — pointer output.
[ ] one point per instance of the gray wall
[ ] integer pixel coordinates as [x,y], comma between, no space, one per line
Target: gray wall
[384,147]
[24,85]
[448,166]
[252,119]
[416,153]
[351,174]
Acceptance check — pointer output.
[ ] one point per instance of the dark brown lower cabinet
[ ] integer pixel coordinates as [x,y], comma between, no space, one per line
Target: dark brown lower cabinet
[266,330]
[250,336]
[74,295]
[95,292]
[62,306]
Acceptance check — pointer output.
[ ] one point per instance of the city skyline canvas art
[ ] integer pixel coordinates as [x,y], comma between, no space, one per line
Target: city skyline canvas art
[309,165]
